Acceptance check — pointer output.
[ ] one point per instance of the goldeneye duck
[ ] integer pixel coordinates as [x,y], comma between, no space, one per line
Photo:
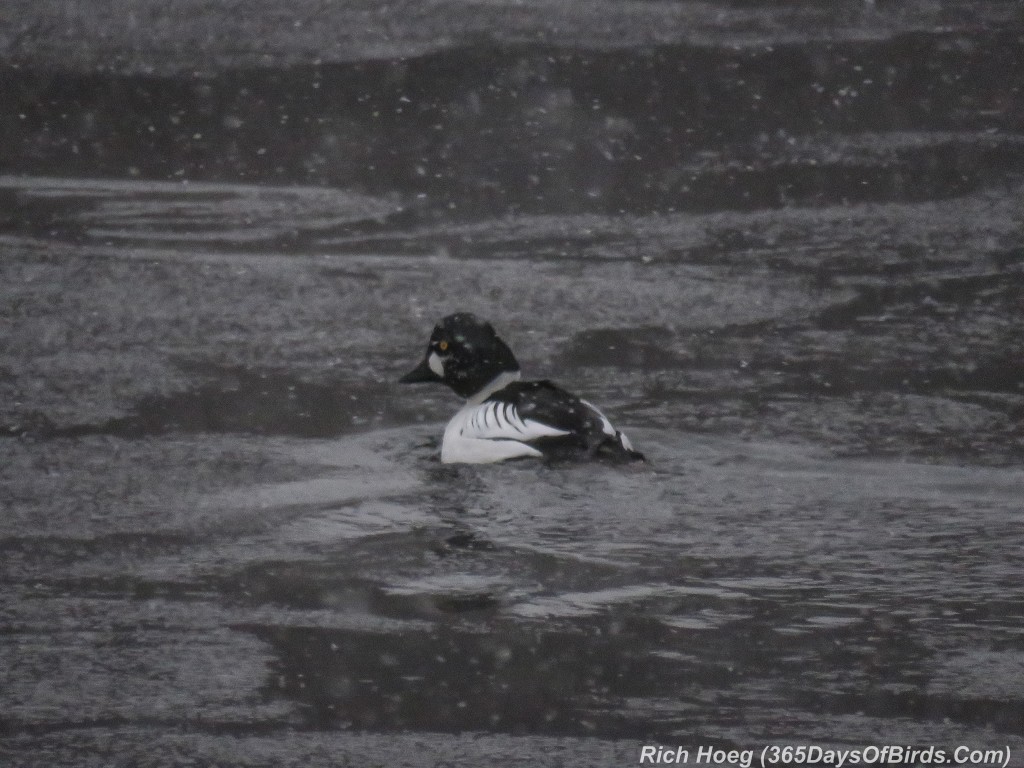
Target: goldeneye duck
[505,418]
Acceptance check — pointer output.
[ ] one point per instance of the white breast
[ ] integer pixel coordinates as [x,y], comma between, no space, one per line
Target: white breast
[487,432]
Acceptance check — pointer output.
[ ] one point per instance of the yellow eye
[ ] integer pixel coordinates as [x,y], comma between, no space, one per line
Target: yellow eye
[443,346]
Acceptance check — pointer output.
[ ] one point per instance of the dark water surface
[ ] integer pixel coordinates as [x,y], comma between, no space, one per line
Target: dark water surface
[792,273]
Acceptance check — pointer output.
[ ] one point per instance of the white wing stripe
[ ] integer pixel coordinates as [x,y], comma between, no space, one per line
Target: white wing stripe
[606,426]
[475,422]
[512,420]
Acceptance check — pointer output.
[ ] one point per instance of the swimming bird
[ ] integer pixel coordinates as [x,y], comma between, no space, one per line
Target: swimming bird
[504,417]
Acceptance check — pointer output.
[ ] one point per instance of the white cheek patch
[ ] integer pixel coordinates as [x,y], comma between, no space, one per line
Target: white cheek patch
[436,364]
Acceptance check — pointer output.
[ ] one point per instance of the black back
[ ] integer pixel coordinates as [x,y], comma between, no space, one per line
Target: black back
[549,404]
